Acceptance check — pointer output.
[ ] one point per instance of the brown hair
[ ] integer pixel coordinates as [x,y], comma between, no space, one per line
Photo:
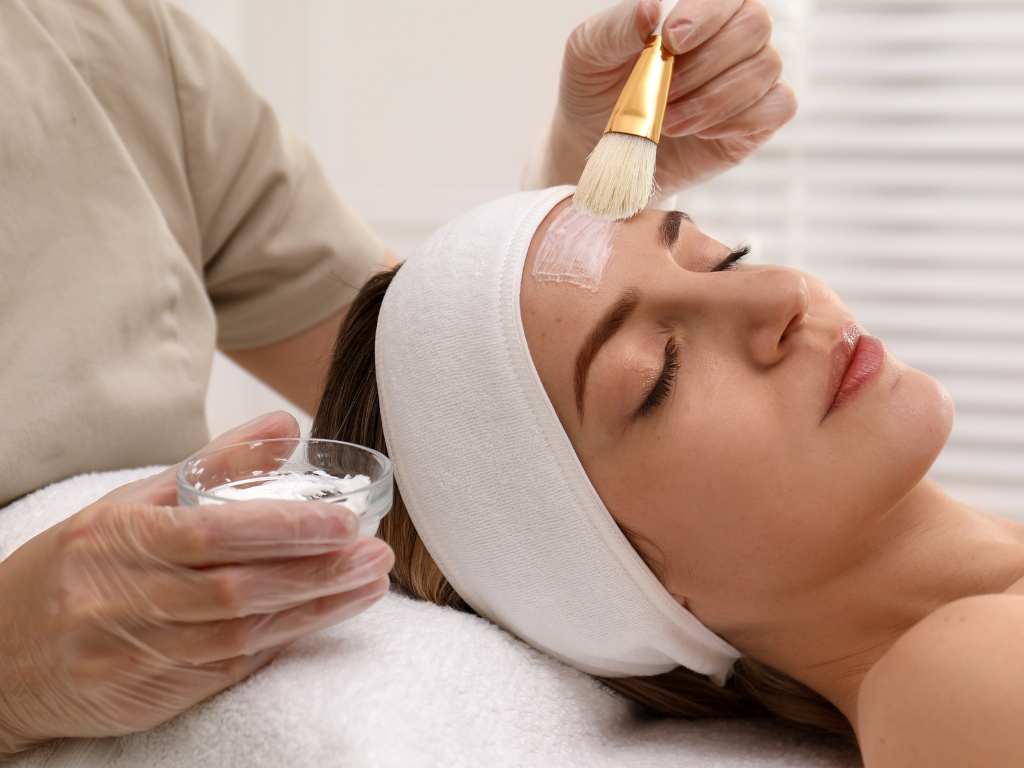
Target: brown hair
[349,410]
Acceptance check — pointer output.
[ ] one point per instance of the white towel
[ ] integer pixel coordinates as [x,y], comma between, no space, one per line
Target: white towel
[407,684]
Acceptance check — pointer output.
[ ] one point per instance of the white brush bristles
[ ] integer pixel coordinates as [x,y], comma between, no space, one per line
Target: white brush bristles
[619,178]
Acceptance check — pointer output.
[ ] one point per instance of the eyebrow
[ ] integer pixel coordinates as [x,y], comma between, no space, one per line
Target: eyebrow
[669,229]
[603,331]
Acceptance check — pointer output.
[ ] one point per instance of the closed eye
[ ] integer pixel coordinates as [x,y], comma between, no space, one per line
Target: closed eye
[663,386]
[730,261]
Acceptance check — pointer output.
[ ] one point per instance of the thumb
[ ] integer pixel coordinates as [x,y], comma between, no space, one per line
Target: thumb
[265,427]
[611,38]
[161,488]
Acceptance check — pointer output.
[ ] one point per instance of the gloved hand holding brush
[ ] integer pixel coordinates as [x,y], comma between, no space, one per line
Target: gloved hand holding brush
[725,98]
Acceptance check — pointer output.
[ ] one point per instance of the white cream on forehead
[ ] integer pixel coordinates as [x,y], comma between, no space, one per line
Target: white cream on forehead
[575,249]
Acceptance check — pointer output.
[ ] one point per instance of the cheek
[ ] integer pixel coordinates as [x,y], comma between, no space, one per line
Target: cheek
[737,491]
[708,481]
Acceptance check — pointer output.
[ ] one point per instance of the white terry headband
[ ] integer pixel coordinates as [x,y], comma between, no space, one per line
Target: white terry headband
[488,474]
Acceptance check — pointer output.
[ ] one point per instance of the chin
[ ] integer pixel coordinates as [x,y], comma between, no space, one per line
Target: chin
[922,417]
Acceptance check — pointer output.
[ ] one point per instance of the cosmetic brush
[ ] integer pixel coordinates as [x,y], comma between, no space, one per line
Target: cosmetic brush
[618,180]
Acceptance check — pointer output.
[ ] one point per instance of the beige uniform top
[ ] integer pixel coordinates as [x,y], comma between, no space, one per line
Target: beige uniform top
[151,208]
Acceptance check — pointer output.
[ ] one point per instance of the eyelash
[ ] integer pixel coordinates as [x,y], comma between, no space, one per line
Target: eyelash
[663,386]
[730,261]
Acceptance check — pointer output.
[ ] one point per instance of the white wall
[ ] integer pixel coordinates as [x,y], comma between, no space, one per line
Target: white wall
[417,116]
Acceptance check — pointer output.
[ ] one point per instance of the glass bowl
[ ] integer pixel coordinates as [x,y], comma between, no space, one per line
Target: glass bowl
[294,468]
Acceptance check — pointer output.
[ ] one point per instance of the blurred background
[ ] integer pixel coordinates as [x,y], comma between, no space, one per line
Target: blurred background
[900,183]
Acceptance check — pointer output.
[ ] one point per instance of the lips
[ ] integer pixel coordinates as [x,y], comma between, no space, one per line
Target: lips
[855,361]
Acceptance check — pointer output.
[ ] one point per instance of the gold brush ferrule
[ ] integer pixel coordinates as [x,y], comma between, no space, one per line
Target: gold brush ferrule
[641,105]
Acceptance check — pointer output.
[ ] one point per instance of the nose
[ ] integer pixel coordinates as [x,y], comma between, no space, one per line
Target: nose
[766,307]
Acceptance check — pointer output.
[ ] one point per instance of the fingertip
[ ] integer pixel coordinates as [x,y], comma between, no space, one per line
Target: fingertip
[277,424]
[680,29]
[647,14]
[385,552]
[374,591]
[785,92]
[372,554]
[690,24]
[341,523]
[269,426]
[670,131]
[681,36]
[381,587]
[240,667]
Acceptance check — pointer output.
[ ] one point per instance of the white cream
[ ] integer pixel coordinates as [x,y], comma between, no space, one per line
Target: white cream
[575,249]
[292,486]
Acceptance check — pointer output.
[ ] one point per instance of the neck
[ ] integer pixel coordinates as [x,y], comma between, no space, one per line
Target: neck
[929,551]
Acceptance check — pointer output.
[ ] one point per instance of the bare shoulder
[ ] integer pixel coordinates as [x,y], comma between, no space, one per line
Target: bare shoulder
[950,692]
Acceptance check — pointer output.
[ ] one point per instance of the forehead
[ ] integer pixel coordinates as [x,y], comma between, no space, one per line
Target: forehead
[551,307]
[638,258]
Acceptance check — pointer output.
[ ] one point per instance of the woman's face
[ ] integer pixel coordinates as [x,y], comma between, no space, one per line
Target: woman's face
[728,414]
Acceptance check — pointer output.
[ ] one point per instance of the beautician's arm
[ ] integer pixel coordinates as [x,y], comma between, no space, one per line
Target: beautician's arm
[295,367]
[725,101]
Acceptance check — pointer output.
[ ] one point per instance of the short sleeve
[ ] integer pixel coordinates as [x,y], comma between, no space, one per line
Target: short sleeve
[280,250]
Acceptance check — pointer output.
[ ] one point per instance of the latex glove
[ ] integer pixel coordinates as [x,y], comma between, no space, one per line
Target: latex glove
[725,101]
[130,612]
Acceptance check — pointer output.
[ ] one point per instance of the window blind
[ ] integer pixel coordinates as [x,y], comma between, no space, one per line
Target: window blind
[901,185]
